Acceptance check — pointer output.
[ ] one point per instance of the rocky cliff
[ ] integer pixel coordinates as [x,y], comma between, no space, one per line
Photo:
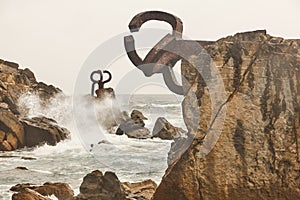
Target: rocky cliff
[257,155]
[16,131]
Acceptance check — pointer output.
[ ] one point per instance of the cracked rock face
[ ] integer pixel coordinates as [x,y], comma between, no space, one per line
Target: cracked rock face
[16,132]
[257,155]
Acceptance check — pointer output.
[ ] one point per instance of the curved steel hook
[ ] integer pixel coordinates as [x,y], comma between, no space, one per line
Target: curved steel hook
[96,72]
[109,76]
[147,65]
[138,20]
[94,80]
[158,60]
[135,25]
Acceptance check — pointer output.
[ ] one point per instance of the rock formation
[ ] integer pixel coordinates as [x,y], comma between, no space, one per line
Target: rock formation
[61,191]
[105,92]
[133,126]
[40,130]
[166,131]
[140,191]
[257,155]
[16,132]
[95,186]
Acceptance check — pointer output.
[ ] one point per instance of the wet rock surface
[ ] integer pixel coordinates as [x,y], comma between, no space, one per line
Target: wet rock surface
[105,92]
[178,147]
[133,126]
[95,186]
[39,130]
[27,191]
[257,153]
[16,132]
[166,131]
[29,194]
[139,191]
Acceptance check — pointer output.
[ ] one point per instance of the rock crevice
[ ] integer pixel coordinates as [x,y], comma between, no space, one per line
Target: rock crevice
[257,153]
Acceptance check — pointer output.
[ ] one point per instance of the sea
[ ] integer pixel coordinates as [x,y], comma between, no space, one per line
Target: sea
[70,160]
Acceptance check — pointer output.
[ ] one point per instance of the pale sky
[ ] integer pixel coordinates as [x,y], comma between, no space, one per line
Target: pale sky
[54,37]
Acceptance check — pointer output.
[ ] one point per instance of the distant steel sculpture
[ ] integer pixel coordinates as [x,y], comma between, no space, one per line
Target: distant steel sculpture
[99,81]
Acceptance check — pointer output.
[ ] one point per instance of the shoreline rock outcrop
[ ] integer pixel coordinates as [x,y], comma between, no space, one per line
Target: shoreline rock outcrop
[166,131]
[257,153]
[26,191]
[94,186]
[133,126]
[16,132]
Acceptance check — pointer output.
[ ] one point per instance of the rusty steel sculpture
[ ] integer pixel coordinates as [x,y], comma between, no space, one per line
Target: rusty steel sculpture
[165,54]
[99,81]
[157,60]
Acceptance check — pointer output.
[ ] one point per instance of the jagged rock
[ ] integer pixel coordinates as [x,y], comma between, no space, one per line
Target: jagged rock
[166,131]
[141,133]
[104,142]
[10,123]
[133,127]
[96,186]
[2,135]
[9,103]
[22,168]
[140,191]
[12,140]
[27,158]
[61,191]
[28,132]
[29,74]
[4,105]
[138,117]
[8,67]
[5,146]
[178,147]
[257,153]
[20,187]
[45,91]
[39,130]
[28,194]
[105,92]
[13,83]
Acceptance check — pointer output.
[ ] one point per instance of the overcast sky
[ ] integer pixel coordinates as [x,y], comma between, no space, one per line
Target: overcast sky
[55,37]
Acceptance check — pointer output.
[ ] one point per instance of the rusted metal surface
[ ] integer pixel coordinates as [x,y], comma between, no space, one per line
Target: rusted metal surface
[161,58]
[138,20]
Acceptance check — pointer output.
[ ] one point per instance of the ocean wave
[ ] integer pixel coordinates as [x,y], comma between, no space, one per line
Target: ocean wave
[165,105]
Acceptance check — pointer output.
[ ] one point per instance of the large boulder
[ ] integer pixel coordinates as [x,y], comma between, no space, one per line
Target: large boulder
[143,190]
[26,191]
[166,131]
[9,123]
[257,153]
[105,92]
[133,126]
[39,130]
[61,191]
[16,132]
[138,117]
[28,194]
[96,186]
[178,147]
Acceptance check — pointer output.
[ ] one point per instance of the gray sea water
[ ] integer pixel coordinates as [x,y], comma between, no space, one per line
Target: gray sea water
[69,161]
